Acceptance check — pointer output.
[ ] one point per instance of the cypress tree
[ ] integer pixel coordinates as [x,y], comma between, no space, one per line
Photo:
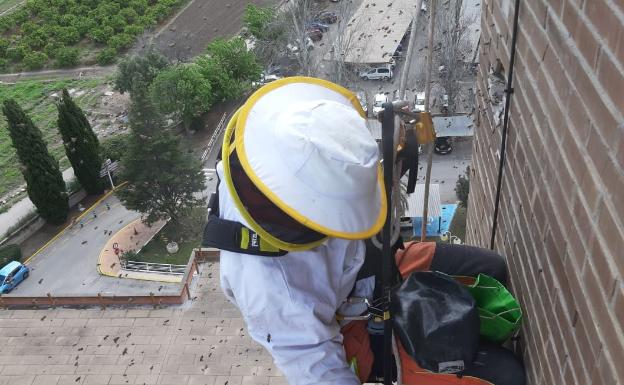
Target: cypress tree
[81,144]
[44,181]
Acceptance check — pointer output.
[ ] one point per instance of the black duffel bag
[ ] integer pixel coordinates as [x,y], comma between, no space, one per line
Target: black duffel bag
[437,321]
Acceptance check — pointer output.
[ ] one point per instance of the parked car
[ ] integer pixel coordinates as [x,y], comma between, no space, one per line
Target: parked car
[316,24]
[406,223]
[264,79]
[443,145]
[377,73]
[314,33]
[12,275]
[326,17]
[419,102]
[380,99]
[294,49]
[274,69]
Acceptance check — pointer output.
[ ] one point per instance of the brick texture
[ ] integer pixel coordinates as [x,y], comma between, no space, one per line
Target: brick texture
[561,220]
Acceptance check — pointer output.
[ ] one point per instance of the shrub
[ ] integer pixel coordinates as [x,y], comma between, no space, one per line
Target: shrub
[3,63]
[114,147]
[120,41]
[107,56]
[72,185]
[52,48]
[462,188]
[35,60]
[67,57]
[39,23]
[16,54]
[9,253]
[4,46]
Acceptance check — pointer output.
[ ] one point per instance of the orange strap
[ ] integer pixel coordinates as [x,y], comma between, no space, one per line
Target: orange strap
[416,256]
[357,345]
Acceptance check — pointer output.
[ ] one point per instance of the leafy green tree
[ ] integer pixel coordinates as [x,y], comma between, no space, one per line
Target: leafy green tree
[120,41]
[117,22]
[4,46]
[162,177]
[129,15]
[35,60]
[107,56]
[114,147]
[462,188]
[102,34]
[67,57]
[44,181]
[138,72]
[133,30]
[224,86]
[258,20]
[81,144]
[183,92]
[52,48]
[16,53]
[233,57]
[69,35]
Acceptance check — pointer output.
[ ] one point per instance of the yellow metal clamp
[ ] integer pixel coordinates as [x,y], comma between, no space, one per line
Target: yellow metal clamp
[424,128]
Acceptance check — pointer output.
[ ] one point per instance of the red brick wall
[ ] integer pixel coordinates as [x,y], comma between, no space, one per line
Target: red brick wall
[561,221]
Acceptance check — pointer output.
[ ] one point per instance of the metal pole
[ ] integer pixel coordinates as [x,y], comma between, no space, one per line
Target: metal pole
[410,52]
[110,178]
[423,228]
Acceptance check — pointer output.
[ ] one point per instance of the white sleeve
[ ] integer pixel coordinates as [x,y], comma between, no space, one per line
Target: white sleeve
[289,308]
[289,303]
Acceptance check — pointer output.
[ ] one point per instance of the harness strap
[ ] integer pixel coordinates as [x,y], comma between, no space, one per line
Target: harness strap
[233,236]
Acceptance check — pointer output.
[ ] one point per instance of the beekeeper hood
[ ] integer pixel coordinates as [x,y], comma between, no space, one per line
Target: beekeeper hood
[301,165]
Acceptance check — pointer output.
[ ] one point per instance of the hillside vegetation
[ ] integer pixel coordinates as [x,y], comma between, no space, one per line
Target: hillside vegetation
[66,33]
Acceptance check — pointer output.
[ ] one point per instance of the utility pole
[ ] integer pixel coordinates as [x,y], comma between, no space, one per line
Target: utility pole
[423,228]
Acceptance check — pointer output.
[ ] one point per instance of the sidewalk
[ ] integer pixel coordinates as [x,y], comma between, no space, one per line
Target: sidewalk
[132,237]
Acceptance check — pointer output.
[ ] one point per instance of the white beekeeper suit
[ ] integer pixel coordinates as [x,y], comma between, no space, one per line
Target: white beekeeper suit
[303,144]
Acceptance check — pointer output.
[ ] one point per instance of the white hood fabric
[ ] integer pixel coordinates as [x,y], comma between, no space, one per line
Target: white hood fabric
[304,143]
[289,303]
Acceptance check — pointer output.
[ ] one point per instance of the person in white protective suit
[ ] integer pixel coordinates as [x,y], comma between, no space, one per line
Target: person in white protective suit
[301,174]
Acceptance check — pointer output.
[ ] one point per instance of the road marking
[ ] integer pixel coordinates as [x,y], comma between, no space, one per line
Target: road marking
[71,224]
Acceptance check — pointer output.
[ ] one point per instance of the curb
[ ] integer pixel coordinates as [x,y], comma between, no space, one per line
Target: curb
[107,274]
[71,224]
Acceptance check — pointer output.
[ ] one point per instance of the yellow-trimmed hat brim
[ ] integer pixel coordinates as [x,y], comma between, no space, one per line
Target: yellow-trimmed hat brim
[227,150]
[239,144]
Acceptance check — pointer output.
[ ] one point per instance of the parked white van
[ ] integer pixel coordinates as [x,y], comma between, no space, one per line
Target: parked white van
[377,73]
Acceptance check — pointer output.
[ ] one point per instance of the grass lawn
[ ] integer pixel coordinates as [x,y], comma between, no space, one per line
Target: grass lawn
[188,236]
[156,252]
[35,98]
[458,225]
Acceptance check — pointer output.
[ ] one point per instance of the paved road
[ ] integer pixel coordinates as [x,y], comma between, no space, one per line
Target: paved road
[23,208]
[68,266]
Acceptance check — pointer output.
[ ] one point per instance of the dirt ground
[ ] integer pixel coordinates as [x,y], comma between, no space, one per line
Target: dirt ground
[199,23]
